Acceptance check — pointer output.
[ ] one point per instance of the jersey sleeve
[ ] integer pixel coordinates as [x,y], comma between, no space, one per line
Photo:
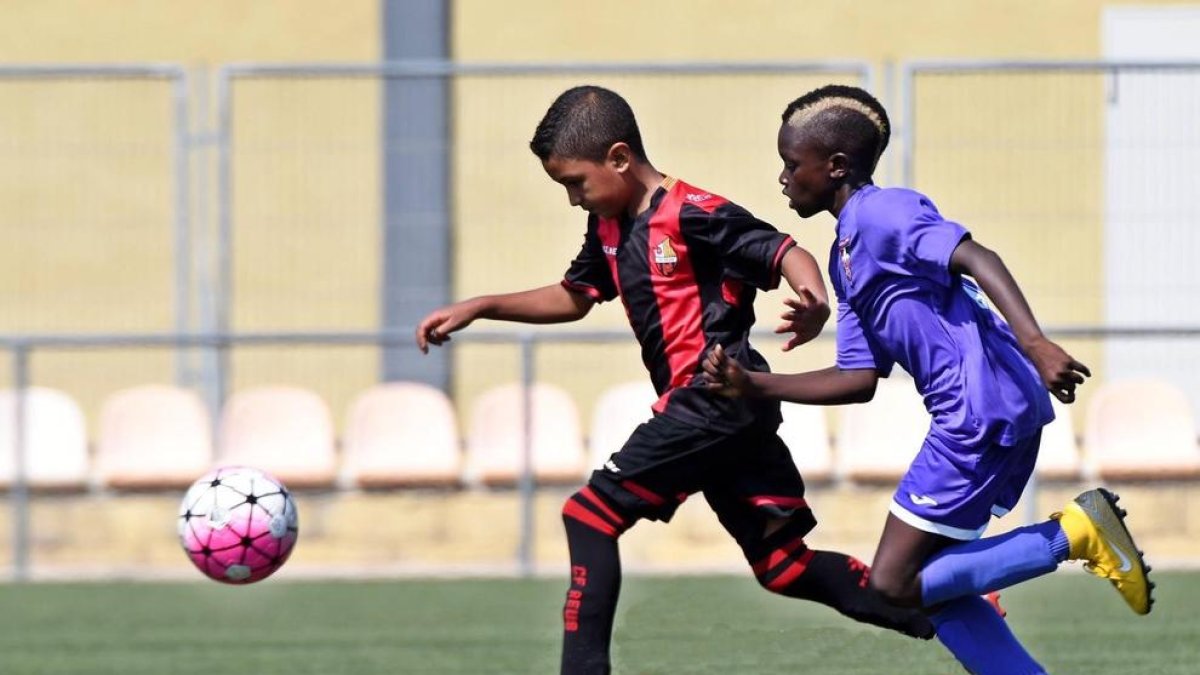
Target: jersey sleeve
[907,235]
[855,349]
[589,272]
[749,249]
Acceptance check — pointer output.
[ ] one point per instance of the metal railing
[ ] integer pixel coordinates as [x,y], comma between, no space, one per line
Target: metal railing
[21,349]
[1081,174]
[247,93]
[218,317]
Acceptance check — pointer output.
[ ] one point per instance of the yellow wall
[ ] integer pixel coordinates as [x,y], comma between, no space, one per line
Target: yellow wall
[211,32]
[875,30]
[1018,159]
[86,191]
[306,156]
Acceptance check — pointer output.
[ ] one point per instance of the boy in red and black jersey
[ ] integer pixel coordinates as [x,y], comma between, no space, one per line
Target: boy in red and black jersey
[686,269]
[686,264]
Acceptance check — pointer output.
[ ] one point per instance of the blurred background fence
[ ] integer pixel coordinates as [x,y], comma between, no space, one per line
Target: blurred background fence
[292,234]
[1082,174]
[337,216]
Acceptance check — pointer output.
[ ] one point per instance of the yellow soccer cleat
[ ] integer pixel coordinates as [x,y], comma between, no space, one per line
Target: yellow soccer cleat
[1095,527]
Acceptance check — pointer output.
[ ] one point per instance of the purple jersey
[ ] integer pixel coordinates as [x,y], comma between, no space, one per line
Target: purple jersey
[899,303]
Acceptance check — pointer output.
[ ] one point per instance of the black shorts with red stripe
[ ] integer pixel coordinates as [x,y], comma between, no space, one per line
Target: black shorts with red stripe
[748,478]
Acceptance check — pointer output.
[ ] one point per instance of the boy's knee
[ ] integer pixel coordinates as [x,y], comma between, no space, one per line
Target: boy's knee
[895,586]
[588,509]
[780,558]
[567,506]
[768,581]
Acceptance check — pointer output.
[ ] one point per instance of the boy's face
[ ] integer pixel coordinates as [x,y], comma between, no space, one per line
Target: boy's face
[807,178]
[595,187]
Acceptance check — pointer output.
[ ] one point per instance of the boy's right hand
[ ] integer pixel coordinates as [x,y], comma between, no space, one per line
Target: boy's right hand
[436,328]
[1059,371]
[804,318]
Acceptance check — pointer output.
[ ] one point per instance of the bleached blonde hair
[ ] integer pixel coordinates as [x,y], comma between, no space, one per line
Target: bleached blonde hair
[802,116]
[846,118]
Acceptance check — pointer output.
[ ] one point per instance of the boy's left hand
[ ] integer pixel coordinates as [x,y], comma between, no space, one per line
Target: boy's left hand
[805,318]
[725,376]
[1060,372]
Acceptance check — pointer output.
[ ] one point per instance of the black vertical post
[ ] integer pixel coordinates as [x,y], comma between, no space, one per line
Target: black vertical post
[416,260]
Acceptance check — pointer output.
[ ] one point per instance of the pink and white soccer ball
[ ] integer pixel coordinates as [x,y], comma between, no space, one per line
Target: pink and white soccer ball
[237,524]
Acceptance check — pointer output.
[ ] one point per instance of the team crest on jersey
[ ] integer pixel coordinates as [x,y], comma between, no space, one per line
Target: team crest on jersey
[665,258]
[844,257]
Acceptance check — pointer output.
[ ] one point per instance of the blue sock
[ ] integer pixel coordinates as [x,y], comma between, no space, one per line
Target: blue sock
[981,641]
[986,565]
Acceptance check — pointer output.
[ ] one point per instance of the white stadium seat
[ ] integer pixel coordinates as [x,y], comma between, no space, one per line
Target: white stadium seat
[496,440]
[153,436]
[1141,429]
[55,440]
[806,434]
[401,434]
[1058,457]
[619,410]
[877,441]
[285,431]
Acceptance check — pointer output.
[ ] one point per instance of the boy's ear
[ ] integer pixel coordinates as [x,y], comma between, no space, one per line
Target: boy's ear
[839,166]
[620,156]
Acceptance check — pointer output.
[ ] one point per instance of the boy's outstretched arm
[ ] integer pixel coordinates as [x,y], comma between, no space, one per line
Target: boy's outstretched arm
[831,386]
[809,310]
[548,304]
[1059,371]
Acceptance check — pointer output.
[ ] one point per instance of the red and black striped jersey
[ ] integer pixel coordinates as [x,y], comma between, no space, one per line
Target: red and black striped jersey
[686,270]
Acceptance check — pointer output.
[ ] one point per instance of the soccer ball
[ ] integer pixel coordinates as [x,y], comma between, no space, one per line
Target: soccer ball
[237,525]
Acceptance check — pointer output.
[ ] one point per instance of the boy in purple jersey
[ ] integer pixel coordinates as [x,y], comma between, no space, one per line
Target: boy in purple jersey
[685,263]
[900,273]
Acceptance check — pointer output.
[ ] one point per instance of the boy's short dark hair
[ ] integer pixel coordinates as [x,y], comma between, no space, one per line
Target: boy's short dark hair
[846,119]
[583,123]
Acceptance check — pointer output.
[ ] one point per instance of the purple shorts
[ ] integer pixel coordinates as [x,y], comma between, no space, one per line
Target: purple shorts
[955,492]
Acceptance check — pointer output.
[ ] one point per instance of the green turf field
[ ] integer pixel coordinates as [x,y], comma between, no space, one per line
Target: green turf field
[1075,624]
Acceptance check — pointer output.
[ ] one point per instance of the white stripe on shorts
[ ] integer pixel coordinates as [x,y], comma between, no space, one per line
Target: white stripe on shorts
[920,523]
